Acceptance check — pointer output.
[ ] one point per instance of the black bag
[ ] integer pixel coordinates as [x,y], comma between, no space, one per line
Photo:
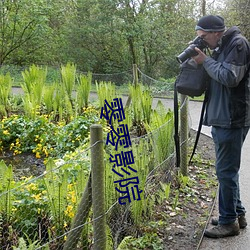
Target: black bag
[192,80]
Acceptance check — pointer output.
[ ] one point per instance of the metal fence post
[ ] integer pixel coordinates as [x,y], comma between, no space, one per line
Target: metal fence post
[98,191]
[184,135]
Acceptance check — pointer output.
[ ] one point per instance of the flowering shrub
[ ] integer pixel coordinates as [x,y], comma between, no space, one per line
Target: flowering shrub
[43,137]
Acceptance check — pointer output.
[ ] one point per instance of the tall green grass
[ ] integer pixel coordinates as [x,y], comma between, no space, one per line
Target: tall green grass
[5,91]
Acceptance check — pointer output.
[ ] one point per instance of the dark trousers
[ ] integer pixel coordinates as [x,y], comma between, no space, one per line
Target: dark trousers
[228,145]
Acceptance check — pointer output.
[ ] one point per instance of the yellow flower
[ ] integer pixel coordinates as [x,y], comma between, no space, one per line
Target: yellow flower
[38,155]
[69,211]
[37,196]
[6,132]
[73,199]
[14,209]
[31,187]
[45,151]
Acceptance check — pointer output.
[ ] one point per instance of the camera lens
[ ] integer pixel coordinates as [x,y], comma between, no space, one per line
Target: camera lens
[190,50]
[187,53]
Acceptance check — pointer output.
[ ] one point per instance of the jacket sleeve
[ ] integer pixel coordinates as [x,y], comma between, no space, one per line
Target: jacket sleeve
[234,66]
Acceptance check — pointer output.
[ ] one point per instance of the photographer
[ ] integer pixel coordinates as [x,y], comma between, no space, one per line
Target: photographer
[228,112]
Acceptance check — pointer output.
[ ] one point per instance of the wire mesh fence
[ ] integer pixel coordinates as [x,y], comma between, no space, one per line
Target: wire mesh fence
[57,209]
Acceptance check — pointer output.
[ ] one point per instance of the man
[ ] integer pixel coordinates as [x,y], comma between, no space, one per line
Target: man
[228,112]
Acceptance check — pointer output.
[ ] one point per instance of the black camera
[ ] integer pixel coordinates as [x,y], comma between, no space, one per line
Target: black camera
[190,51]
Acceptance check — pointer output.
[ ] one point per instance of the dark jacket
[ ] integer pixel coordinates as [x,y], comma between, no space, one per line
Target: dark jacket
[229,90]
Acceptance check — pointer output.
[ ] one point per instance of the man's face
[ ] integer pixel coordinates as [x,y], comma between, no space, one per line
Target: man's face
[211,38]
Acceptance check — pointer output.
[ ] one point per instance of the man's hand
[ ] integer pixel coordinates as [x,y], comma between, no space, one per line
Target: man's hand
[200,58]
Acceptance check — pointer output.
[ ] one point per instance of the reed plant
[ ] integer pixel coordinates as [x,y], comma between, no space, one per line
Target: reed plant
[161,132]
[6,196]
[68,74]
[62,106]
[83,91]
[5,90]
[56,184]
[135,92]
[34,80]
[143,158]
[105,91]
[48,97]
[141,106]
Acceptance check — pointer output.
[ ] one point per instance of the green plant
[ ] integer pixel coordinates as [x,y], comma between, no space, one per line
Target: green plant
[34,81]
[6,184]
[30,207]
[5,90]
[147,241]
[68,74]
[141,107]
[176,199]
[165,190]
[83,91]
[48,98]
[28,244]
[160,131]
[42,136]
[106,91]
[184,181]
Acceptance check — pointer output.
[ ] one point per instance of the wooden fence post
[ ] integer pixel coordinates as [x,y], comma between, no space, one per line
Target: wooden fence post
[135,82]
[98,188]
[135,74]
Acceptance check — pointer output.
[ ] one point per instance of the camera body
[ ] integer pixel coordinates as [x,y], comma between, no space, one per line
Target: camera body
[190,51]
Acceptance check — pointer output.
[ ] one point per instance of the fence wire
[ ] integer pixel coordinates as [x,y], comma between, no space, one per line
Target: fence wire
[42,212]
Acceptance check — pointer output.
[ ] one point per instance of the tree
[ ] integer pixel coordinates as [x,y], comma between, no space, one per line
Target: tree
[237,13]
[20,22]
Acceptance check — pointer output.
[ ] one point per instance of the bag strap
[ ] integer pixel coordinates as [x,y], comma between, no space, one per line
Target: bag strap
[176,126]
[199,127]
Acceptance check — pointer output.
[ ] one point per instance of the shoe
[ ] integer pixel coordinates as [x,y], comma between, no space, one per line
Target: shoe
[241,219]
[221,231]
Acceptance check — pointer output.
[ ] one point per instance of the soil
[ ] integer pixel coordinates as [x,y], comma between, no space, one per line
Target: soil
[188,221]
[25,164]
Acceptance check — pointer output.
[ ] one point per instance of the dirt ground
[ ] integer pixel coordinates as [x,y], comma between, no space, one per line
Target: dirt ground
[187,222]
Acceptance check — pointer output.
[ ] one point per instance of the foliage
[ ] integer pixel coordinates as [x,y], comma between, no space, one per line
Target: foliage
[6,184]
[22,23]
[83,90]
[110,38]
[46,205]
[51,200]
[34,81]
[43,137]
[106,92]
[68,74]
[5,90]
[162,141]
[147,241]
